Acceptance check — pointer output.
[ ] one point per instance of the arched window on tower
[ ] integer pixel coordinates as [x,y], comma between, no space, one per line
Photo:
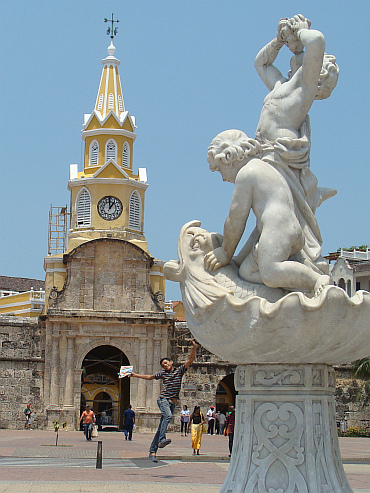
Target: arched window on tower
[94,153]
[120,102]
[83,208]
[126,155]
[111,101]
[111,150]
[134,217]
[100,102]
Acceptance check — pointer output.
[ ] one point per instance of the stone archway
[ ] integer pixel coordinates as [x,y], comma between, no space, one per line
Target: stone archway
[225,393]
[101,388]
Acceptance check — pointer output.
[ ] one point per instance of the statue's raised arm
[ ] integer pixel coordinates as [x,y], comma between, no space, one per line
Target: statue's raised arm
[313,75]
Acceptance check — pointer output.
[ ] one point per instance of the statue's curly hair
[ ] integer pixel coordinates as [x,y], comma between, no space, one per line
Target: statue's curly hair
[328,77]
[239,146]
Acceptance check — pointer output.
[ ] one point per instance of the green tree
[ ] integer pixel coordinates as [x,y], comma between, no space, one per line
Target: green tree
[56,429]
[361,369]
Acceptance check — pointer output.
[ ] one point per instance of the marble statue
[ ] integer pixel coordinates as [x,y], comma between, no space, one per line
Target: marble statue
[270,309]
[277,183]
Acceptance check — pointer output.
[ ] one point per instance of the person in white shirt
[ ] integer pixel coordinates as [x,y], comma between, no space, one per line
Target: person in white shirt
[184,418]
[211,420]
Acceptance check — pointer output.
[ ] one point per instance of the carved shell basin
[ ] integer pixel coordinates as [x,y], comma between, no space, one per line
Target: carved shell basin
[331,328]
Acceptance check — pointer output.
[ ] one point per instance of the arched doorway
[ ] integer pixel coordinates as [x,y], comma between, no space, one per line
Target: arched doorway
[225,394]
[101,388]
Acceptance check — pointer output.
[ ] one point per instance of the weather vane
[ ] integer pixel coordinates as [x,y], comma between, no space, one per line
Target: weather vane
[112,30]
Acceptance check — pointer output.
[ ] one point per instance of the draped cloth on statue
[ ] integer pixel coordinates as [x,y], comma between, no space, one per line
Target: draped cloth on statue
[290,157]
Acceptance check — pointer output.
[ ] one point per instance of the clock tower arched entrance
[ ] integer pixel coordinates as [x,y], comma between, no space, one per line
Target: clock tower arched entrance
[107,395]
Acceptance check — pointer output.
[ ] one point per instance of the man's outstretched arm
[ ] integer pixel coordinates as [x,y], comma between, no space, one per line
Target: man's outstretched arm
[145,377]
[192,354]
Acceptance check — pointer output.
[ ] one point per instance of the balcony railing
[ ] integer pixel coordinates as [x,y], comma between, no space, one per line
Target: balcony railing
[356,254]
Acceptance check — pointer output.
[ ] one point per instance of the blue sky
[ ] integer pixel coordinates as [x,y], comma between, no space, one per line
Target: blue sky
[187,73]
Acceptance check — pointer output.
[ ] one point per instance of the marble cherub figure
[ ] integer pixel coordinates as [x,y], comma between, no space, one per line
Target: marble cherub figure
[271,172]
[259,306]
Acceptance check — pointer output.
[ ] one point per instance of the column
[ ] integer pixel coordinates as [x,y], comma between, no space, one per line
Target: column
[54,372]
[47,377]
[149,368]
[141,386]
[69,384]
[156,383]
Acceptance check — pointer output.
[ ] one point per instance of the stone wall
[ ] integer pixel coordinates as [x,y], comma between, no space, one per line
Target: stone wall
[348,406]
[21,371]
[22,376]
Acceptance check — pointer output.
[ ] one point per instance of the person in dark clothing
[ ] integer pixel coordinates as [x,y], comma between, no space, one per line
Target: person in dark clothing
[229,426]
[128,422]
[171,378]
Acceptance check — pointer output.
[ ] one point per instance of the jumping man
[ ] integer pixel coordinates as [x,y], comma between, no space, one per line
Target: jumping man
[171,378]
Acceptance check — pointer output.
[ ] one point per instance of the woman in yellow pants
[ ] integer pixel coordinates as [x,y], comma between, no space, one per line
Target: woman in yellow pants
[197,424]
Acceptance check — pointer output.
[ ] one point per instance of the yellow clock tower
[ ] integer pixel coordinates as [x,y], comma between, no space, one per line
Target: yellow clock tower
[107,197]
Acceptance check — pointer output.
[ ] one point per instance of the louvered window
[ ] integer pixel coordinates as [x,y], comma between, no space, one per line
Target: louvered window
[100,102]
[111,101]
[120,103]
[134,220]
[94,153]
[83,208]
[126,155]
[111,150]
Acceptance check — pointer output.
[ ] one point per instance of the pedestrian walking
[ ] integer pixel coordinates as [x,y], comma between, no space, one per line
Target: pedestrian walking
[229,427]
[184,419]
[88,419]
[197,428]
[171,378]
[128,422]
[220,420]
[27,414]
[211,420]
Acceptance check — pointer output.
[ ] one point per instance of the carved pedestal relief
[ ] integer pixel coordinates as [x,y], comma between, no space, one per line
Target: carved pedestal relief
[285,432]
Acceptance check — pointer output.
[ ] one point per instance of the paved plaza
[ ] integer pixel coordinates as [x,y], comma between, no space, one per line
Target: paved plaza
[30,462]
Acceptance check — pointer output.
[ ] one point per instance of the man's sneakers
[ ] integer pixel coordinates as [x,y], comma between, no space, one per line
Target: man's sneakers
[163,443]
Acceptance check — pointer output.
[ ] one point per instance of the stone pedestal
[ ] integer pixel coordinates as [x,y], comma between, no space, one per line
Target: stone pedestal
[285,437]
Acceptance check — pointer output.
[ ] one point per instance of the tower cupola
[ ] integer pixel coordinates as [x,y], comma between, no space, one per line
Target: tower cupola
[109,97]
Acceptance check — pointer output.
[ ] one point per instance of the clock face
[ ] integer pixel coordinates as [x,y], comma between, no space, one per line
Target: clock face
[109,208]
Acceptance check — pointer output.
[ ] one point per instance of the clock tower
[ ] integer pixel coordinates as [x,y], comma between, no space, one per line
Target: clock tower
[108,195]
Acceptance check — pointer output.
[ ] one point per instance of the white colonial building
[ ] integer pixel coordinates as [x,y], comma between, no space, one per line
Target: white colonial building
[351,271]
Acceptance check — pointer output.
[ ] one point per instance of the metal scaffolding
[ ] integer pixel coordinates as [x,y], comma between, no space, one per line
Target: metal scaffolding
[57,237]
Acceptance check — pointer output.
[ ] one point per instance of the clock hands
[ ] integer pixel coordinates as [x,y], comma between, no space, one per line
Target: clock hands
[109,208]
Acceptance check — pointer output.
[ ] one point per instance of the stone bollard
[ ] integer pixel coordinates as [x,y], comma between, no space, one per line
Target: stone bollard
[99,455]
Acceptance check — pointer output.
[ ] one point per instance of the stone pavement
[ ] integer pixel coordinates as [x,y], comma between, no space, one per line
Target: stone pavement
[30,462]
